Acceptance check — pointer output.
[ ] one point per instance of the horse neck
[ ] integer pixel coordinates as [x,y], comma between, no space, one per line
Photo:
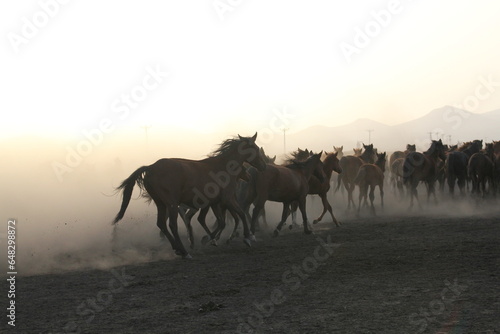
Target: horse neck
[432,152]
[380,164]
[328,166]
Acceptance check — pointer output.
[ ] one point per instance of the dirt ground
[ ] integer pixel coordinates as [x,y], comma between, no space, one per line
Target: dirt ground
[391,274]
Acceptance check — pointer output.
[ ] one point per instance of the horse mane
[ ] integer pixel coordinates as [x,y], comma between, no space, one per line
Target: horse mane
[296,164]
[227,145]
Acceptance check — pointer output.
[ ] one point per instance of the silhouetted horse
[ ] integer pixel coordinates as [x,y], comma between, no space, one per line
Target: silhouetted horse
[244,191]
[196,183]
[456,165]
[320,188]
[368,154]
[371,176]
[286,184]
[481,170]
[423,167]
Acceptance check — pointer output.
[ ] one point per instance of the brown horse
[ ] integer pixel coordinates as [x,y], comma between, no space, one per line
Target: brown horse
[316,187]
[481,169]
[423,167]
[396,178]
[196,183]
[339,150]
[371,176]
[357,152]
[456,165]
[350,166]
[286,184]
[397,173]
[368,154]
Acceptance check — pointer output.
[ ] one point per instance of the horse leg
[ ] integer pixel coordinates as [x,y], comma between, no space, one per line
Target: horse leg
[293,209]
[255,215]
[233,206]
[161,222]
[360,197]
[326,207]
[302,208]
[201,219]
[381,188]
[186,216]
[284,215]
[236,223]
[172,223]
[372,198]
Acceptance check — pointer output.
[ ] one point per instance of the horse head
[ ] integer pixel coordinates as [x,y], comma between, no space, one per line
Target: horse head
[251,152]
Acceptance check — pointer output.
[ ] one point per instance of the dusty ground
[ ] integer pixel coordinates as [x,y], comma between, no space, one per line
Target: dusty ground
[398,274]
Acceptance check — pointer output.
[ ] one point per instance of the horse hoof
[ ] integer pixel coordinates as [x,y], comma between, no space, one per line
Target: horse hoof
[205,240]
[178,252]
[315,221]
[252,238]
[213,242]
[247,242]
[187,257]
[276,233]
[308,231]
[290,227]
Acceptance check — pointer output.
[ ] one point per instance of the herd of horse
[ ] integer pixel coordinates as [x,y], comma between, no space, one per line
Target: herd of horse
[239,175]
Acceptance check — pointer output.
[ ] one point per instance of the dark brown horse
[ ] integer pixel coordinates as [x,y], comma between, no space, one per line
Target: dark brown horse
[423,167]
[371,176]
[316,187]
[481,170]
[456,165]
[286,184]
[196,183]
[368,154]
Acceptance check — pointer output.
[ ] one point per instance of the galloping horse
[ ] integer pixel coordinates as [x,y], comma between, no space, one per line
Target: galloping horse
[316,187]
[368,154]
[423,167]
[396,167]
[286,184]
[196,183]
[481,169]
[456,165]
[350,166]
[371,175]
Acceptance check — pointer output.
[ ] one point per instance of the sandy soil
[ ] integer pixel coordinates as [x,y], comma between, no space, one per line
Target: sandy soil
[398,274]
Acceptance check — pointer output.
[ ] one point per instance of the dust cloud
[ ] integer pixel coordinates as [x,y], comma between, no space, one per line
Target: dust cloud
[66,225]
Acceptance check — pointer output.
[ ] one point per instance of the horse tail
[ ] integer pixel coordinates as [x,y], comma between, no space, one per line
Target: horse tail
[360,176]
[127,186]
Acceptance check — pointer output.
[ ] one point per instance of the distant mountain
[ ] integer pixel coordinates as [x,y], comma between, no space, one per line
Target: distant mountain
[451,124]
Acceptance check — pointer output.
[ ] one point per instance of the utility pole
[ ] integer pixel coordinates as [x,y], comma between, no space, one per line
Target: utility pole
[370,136]
[284,139]
[430,135]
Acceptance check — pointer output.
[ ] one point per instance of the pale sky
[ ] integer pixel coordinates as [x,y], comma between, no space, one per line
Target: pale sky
[231,64]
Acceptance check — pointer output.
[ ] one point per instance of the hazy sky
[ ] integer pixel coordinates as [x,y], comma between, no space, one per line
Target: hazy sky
[233,66]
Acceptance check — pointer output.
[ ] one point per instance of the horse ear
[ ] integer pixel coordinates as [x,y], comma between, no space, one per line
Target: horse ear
[254,136]
[240,137]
